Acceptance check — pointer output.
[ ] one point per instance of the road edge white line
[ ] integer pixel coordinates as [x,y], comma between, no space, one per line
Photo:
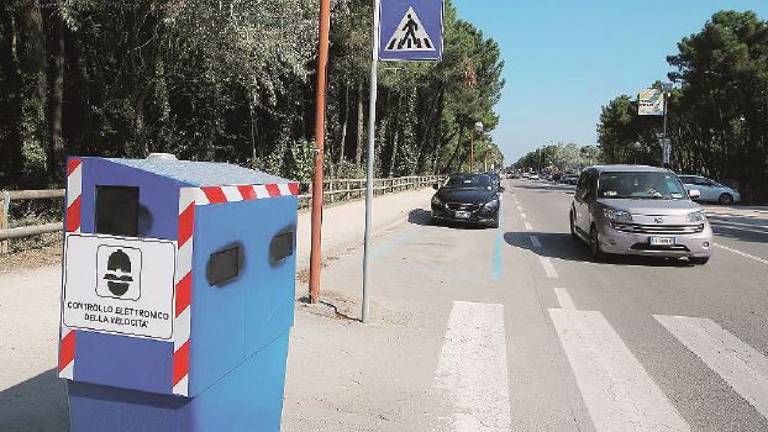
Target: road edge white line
[743,254]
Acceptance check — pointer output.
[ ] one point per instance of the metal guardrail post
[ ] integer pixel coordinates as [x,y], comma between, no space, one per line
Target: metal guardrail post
[4,210]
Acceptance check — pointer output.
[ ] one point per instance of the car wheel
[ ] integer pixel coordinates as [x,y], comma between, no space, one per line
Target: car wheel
[573,227]
[726,199]
[594,244]
[434,221]
[698,260]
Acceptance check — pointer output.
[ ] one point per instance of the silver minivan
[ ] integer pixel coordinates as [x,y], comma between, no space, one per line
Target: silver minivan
[639,210]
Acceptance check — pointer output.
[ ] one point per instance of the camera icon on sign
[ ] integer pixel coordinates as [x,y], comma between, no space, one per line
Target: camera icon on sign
[119,272]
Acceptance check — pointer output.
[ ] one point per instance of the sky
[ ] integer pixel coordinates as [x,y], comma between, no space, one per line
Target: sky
[565,59]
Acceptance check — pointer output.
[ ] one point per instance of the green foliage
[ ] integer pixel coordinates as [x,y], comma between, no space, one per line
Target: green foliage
[562,157]
[231,81]
[718,114]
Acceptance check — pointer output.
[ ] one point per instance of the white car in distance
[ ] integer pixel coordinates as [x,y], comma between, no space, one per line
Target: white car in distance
[711,191]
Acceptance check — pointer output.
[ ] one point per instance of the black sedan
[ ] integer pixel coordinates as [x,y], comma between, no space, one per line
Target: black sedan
[467,198]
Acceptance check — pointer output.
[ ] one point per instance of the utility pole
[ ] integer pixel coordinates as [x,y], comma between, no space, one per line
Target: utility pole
[316,254]
[371,155]
[479,129]
[666,144]
[471,151]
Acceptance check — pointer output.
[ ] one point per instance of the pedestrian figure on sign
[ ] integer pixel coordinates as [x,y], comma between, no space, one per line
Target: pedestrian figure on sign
[410,34]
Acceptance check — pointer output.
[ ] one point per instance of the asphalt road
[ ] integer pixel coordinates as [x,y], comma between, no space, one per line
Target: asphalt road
[518,329]
[486,330]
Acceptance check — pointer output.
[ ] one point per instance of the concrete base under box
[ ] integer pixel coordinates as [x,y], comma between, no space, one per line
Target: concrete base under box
[249,398]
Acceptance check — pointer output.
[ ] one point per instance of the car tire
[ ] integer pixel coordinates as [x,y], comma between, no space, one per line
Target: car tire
[594,244]
[573,227]
[494,224]
[434,221]
[698,260]
[725,199]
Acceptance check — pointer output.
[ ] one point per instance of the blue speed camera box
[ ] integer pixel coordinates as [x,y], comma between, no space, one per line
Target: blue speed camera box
[177,296]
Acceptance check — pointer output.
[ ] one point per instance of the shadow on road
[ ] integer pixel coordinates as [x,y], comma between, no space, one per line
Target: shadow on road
[424,218]
[37,404]
[563,246]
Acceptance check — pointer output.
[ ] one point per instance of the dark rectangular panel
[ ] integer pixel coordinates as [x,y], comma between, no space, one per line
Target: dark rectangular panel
[117,210]
[223,266]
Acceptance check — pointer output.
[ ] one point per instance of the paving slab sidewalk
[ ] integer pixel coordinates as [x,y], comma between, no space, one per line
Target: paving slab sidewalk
[32,398]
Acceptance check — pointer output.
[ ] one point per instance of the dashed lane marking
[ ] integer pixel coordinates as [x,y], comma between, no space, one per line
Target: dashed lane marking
[473,367]
[549,269]
[528,226]
[618,392]
[564,299]
[523,216]
[740,365]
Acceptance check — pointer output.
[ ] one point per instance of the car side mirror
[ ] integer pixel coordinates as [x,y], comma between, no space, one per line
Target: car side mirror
[694,193]
[435,186]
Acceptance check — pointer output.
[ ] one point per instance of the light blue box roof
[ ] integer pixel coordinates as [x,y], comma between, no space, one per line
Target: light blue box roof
[202,173]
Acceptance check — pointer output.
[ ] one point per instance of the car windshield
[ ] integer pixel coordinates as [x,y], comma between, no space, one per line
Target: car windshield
[640,185]
[468,181]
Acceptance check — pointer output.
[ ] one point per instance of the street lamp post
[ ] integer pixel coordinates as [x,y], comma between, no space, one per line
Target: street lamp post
[636,146]
[479,129]
[666,145]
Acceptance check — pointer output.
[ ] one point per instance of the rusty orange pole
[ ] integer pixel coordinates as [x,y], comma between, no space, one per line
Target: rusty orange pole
[316,255]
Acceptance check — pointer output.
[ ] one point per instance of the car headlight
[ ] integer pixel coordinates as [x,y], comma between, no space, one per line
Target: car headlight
[617,215]
[436,201]
[491,205]
[697,216]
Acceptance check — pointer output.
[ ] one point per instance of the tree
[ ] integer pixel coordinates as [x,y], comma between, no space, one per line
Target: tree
[718,114]
[230,81]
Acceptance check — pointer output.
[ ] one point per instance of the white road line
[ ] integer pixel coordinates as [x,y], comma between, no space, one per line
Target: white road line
[549,269]
[564,299]
[528,226]
[523,216]
[617,391]
[739,224]
[473,367]
[535,242]
[744,254]
[740,365]
[520,208]
[730,226]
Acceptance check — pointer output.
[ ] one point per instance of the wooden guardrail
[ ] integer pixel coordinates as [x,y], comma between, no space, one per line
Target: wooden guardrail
[336,190]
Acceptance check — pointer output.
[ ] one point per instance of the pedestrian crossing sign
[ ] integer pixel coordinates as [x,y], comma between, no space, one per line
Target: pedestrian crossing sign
[410,35]
[411,30]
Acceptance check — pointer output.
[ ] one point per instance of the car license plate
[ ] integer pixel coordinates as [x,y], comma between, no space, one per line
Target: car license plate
[462,215]
[662,241]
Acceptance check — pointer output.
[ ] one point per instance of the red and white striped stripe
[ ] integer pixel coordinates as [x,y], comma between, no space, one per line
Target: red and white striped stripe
[74,192]
[183,302]
[67,353]
[234,193]
[73,221]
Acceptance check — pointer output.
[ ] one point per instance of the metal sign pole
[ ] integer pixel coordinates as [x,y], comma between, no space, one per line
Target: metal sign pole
[371,156]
